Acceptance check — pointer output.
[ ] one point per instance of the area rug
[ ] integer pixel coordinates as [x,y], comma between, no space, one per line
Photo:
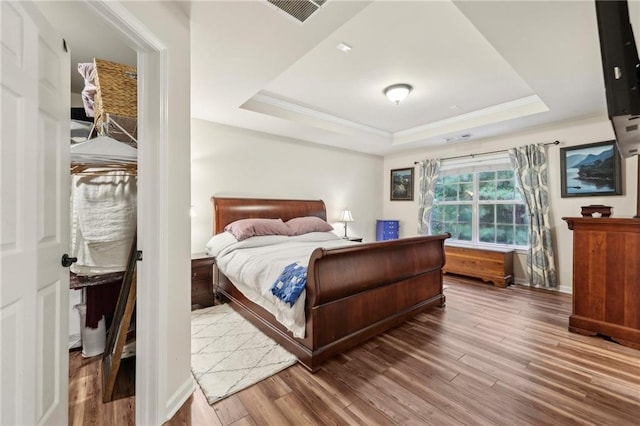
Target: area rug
[229,354]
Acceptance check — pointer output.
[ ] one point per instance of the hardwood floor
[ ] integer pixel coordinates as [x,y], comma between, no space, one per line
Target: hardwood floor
[492,356]
[85,396]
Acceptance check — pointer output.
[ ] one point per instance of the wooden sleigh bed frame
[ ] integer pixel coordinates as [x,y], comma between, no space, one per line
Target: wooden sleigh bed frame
[353,293]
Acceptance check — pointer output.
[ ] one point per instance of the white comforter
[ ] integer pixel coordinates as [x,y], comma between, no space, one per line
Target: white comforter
[254,264]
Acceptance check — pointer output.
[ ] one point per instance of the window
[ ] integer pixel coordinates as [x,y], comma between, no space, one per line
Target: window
[478,202]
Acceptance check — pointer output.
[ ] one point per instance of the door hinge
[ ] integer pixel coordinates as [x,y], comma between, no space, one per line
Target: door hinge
[139,255]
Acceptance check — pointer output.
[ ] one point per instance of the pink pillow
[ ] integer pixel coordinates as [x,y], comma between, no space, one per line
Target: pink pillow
[245,228]
[305,224]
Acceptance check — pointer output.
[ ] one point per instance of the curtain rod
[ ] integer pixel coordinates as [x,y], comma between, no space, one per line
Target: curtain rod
[487,153]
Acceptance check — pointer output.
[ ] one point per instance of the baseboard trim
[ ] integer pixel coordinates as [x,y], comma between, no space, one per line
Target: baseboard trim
[520,281]
[178,399]
[562,289]
[566,289]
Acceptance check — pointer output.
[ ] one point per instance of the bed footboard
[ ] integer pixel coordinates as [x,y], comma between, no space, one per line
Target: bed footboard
[342,272]
[358,292]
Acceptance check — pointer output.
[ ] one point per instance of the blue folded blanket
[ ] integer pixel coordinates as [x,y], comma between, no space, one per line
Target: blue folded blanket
[290,283]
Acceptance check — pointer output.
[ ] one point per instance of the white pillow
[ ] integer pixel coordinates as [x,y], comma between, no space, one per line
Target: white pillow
[219,242]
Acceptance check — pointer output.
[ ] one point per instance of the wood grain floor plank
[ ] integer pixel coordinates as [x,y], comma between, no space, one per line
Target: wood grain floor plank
[230,410]
[364,414]
[275,387]
[200,412]
[406,354]
[261,407]
[626,411]
[326,383]
[488,403]
[449,403]
[296,411]
[551,396]
[244,421]
[324,407]
[85,395]
[370,392]
[446,368]
[490,357]
[393,397]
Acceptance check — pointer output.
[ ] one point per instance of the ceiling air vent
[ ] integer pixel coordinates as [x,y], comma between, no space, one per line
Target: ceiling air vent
[458,138]
[298,9]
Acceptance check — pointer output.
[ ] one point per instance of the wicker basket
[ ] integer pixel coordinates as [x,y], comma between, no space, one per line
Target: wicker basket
[116,91]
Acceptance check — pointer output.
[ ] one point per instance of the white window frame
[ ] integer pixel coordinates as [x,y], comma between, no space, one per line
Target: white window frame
[476,165]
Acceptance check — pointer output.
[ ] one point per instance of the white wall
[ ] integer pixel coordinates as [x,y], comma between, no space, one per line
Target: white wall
[237,162]
[578,133]
[76,100]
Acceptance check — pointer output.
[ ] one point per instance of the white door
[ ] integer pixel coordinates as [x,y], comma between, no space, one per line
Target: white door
[34,232]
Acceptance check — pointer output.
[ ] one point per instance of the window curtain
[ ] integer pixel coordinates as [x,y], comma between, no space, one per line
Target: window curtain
[429,170]
[530,164]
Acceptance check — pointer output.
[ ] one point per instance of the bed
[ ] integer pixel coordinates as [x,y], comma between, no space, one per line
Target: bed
[352,293]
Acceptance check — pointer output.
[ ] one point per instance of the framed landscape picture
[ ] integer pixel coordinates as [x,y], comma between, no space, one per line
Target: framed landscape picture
[591,169]
[402,184]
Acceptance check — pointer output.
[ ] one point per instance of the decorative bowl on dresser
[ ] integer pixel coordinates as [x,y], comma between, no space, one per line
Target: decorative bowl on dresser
[598,209]
[202,294]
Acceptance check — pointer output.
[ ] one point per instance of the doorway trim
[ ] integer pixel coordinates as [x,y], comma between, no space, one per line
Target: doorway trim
[151,386]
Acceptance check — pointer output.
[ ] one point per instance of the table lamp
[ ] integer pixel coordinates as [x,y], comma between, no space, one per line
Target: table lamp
[345,217]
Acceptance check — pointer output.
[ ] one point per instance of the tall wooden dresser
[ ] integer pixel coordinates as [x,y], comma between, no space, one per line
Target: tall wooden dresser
[606,278]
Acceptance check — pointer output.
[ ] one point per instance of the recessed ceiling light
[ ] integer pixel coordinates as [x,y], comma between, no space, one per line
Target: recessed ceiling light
[454,107]
[343,47]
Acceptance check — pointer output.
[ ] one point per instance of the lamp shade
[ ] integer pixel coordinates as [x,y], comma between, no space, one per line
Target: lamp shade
[397,92]
[346,216]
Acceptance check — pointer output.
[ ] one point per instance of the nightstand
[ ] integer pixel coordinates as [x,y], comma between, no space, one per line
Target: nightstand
[355,239]
[202,292]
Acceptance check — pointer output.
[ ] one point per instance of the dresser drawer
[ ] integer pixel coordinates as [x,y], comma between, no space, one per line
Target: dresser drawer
[385,237]
[202,273]
[200,289]
[388,235]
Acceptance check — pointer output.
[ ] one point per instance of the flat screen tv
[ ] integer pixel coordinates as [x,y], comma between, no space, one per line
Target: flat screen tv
[621,70]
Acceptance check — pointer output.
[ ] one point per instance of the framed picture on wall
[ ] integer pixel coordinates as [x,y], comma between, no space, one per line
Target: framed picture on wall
[591,169]
[402,184]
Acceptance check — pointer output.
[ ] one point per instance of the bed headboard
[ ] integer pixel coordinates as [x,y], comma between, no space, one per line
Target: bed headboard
[227,209]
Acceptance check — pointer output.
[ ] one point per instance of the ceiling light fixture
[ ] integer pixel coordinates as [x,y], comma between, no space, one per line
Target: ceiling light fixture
[397,93]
